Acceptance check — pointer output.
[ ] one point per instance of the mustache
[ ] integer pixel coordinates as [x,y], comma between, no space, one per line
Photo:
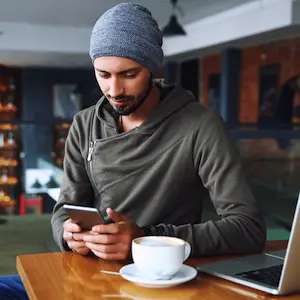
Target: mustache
[121,98]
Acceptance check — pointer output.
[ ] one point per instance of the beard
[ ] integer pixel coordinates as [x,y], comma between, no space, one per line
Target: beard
[136,102]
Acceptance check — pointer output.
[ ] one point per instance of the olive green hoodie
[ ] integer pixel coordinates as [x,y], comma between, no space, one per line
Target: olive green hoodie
[160,173]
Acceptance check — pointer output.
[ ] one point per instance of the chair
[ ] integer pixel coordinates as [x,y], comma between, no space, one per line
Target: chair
[30,200]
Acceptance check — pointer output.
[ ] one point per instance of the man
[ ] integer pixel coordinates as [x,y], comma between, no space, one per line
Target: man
[147,155]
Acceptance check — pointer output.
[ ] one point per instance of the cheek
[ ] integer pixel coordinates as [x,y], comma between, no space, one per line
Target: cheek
[103,85]
[136,87]
[131,87]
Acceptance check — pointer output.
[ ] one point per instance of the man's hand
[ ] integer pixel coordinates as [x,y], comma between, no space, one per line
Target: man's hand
[113,241]
[73,235]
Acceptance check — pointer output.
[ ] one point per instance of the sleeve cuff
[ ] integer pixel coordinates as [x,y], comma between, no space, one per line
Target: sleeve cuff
[154,230]
[149,230]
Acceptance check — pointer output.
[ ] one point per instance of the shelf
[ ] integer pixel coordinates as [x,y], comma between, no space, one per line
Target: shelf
[9,203]
[10,181]
[15,148]
[8,127]
[8,166]
[7,111]
[7,115]
[63,126]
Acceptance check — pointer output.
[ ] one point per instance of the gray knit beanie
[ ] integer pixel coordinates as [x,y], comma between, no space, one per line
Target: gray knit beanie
[128,30]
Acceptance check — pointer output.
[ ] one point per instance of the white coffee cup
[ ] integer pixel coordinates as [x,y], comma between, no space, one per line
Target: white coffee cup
[159,257]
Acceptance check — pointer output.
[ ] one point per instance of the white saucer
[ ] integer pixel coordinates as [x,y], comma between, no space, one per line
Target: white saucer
[131,273]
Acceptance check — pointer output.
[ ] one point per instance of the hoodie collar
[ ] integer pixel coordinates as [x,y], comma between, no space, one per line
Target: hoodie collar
[176,98]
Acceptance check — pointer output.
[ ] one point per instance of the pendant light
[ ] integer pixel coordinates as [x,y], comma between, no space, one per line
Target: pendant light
[173,28]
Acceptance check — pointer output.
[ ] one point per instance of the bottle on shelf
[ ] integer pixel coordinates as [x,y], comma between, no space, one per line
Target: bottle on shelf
[8,176]
[4,197]
[2,140]
[8,161]
[4,175]
[11,142]
[7,97]
[60,158]
[10,104]
[11,161]
[60,142]
[12,85]
[2,88]
[9,152]
[2,94]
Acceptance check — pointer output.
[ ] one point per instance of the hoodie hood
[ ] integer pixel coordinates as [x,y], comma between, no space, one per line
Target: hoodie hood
[175,98]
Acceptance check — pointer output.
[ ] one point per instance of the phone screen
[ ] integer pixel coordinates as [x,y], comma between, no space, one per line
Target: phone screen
[85,217]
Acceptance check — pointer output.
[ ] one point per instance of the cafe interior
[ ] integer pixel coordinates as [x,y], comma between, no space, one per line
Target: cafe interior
[241,58]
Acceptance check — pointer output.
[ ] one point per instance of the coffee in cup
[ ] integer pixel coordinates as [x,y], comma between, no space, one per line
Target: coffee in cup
[159,257]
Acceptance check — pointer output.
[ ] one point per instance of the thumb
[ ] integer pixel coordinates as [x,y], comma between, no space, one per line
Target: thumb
[116,216]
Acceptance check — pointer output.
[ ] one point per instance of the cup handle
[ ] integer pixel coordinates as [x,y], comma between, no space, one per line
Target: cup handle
[187,251]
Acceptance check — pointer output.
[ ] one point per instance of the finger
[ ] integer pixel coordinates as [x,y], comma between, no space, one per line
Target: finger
[76,244]
[71,227]
[78,236]
[82,250]
[112,248]
[111,256]
[116,216]
[112,228]
[102,238]
[67,236]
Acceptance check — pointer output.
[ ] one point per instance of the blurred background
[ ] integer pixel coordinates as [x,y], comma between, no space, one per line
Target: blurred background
[239,57]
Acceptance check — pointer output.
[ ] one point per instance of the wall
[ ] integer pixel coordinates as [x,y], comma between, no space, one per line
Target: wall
[37,104]
[286,53]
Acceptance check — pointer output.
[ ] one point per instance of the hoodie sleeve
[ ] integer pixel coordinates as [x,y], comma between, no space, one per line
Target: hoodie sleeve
[241,228]
[76,188]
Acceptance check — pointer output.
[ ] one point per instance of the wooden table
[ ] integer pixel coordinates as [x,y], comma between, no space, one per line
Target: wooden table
[71,276]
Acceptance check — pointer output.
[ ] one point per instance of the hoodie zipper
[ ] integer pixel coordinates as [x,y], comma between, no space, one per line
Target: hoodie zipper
[91,149]
[89,159]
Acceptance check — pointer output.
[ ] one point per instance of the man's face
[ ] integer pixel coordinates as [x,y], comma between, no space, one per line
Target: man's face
[124,82]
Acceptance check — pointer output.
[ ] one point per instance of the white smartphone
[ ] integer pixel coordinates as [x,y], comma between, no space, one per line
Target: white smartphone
[85,217]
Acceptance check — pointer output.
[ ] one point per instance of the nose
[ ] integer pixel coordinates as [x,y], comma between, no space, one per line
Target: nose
[115,88]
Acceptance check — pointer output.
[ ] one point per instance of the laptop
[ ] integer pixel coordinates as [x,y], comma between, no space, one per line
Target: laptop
[276,272]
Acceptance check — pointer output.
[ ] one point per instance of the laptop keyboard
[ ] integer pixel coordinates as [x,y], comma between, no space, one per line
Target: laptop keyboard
[269,276]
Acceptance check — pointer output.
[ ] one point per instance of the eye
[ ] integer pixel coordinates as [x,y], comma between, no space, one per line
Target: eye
[103,75]
[130,75]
